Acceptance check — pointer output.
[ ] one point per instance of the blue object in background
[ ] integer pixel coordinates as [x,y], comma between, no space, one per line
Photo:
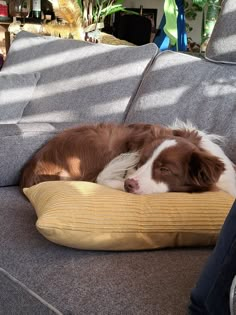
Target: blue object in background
[163,41]
[182,35]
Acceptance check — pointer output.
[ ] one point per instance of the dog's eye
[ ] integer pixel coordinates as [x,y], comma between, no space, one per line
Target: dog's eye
[164,170]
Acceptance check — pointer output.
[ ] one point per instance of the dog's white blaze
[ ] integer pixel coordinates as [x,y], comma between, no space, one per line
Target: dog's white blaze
[147,185]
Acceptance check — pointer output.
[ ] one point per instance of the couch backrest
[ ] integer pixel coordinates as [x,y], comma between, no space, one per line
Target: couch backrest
[183,87]
[79,81]
[222,44]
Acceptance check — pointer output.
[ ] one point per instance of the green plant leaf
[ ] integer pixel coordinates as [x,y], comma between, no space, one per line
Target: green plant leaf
[190,15]
[186,5]
[115,8]
[102,8]
[197,8]
[80,4]
[111,7]
[118,9]
[119,2]
[130,12]
[200,3]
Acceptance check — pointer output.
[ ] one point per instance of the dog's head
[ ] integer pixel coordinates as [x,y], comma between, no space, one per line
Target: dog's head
[174,164]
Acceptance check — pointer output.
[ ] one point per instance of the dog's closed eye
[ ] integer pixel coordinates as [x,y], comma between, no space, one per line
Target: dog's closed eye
[164,170]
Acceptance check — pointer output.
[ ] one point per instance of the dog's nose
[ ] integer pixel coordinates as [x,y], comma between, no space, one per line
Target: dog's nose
[131,185]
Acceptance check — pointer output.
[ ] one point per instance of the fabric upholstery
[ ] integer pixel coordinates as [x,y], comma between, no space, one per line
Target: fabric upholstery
[15,94]
[80,82]
[183,87]
[18,143]
[84,215]
[75,281]
[222,44]
[16,298]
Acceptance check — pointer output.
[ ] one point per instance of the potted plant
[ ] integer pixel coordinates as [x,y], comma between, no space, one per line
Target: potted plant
[210,10]
[83,18]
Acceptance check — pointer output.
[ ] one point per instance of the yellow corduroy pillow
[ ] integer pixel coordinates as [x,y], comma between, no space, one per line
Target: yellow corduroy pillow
[89,216]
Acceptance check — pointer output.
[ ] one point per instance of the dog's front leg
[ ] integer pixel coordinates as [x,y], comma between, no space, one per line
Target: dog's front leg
[113,175]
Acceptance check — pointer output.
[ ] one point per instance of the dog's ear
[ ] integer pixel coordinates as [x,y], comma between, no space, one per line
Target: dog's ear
[205,169]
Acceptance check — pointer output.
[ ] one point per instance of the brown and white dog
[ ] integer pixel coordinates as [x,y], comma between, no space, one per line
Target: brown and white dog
[137,158]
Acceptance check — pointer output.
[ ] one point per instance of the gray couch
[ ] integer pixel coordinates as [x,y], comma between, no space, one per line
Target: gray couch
[66,83]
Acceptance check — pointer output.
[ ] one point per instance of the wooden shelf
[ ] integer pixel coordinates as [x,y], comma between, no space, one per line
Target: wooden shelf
[5,25]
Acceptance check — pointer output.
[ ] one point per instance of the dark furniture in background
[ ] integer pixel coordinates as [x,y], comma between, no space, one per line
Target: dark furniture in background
[136,29]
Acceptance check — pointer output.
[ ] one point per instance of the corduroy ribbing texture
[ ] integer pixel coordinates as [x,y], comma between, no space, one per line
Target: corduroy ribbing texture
[89,216]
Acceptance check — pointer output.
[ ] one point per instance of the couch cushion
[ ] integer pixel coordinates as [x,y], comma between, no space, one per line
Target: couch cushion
[15,93]
[222,44]
[188,88]
[74,281]
[16,298]
[18,143]
[80,81]
[83,215]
